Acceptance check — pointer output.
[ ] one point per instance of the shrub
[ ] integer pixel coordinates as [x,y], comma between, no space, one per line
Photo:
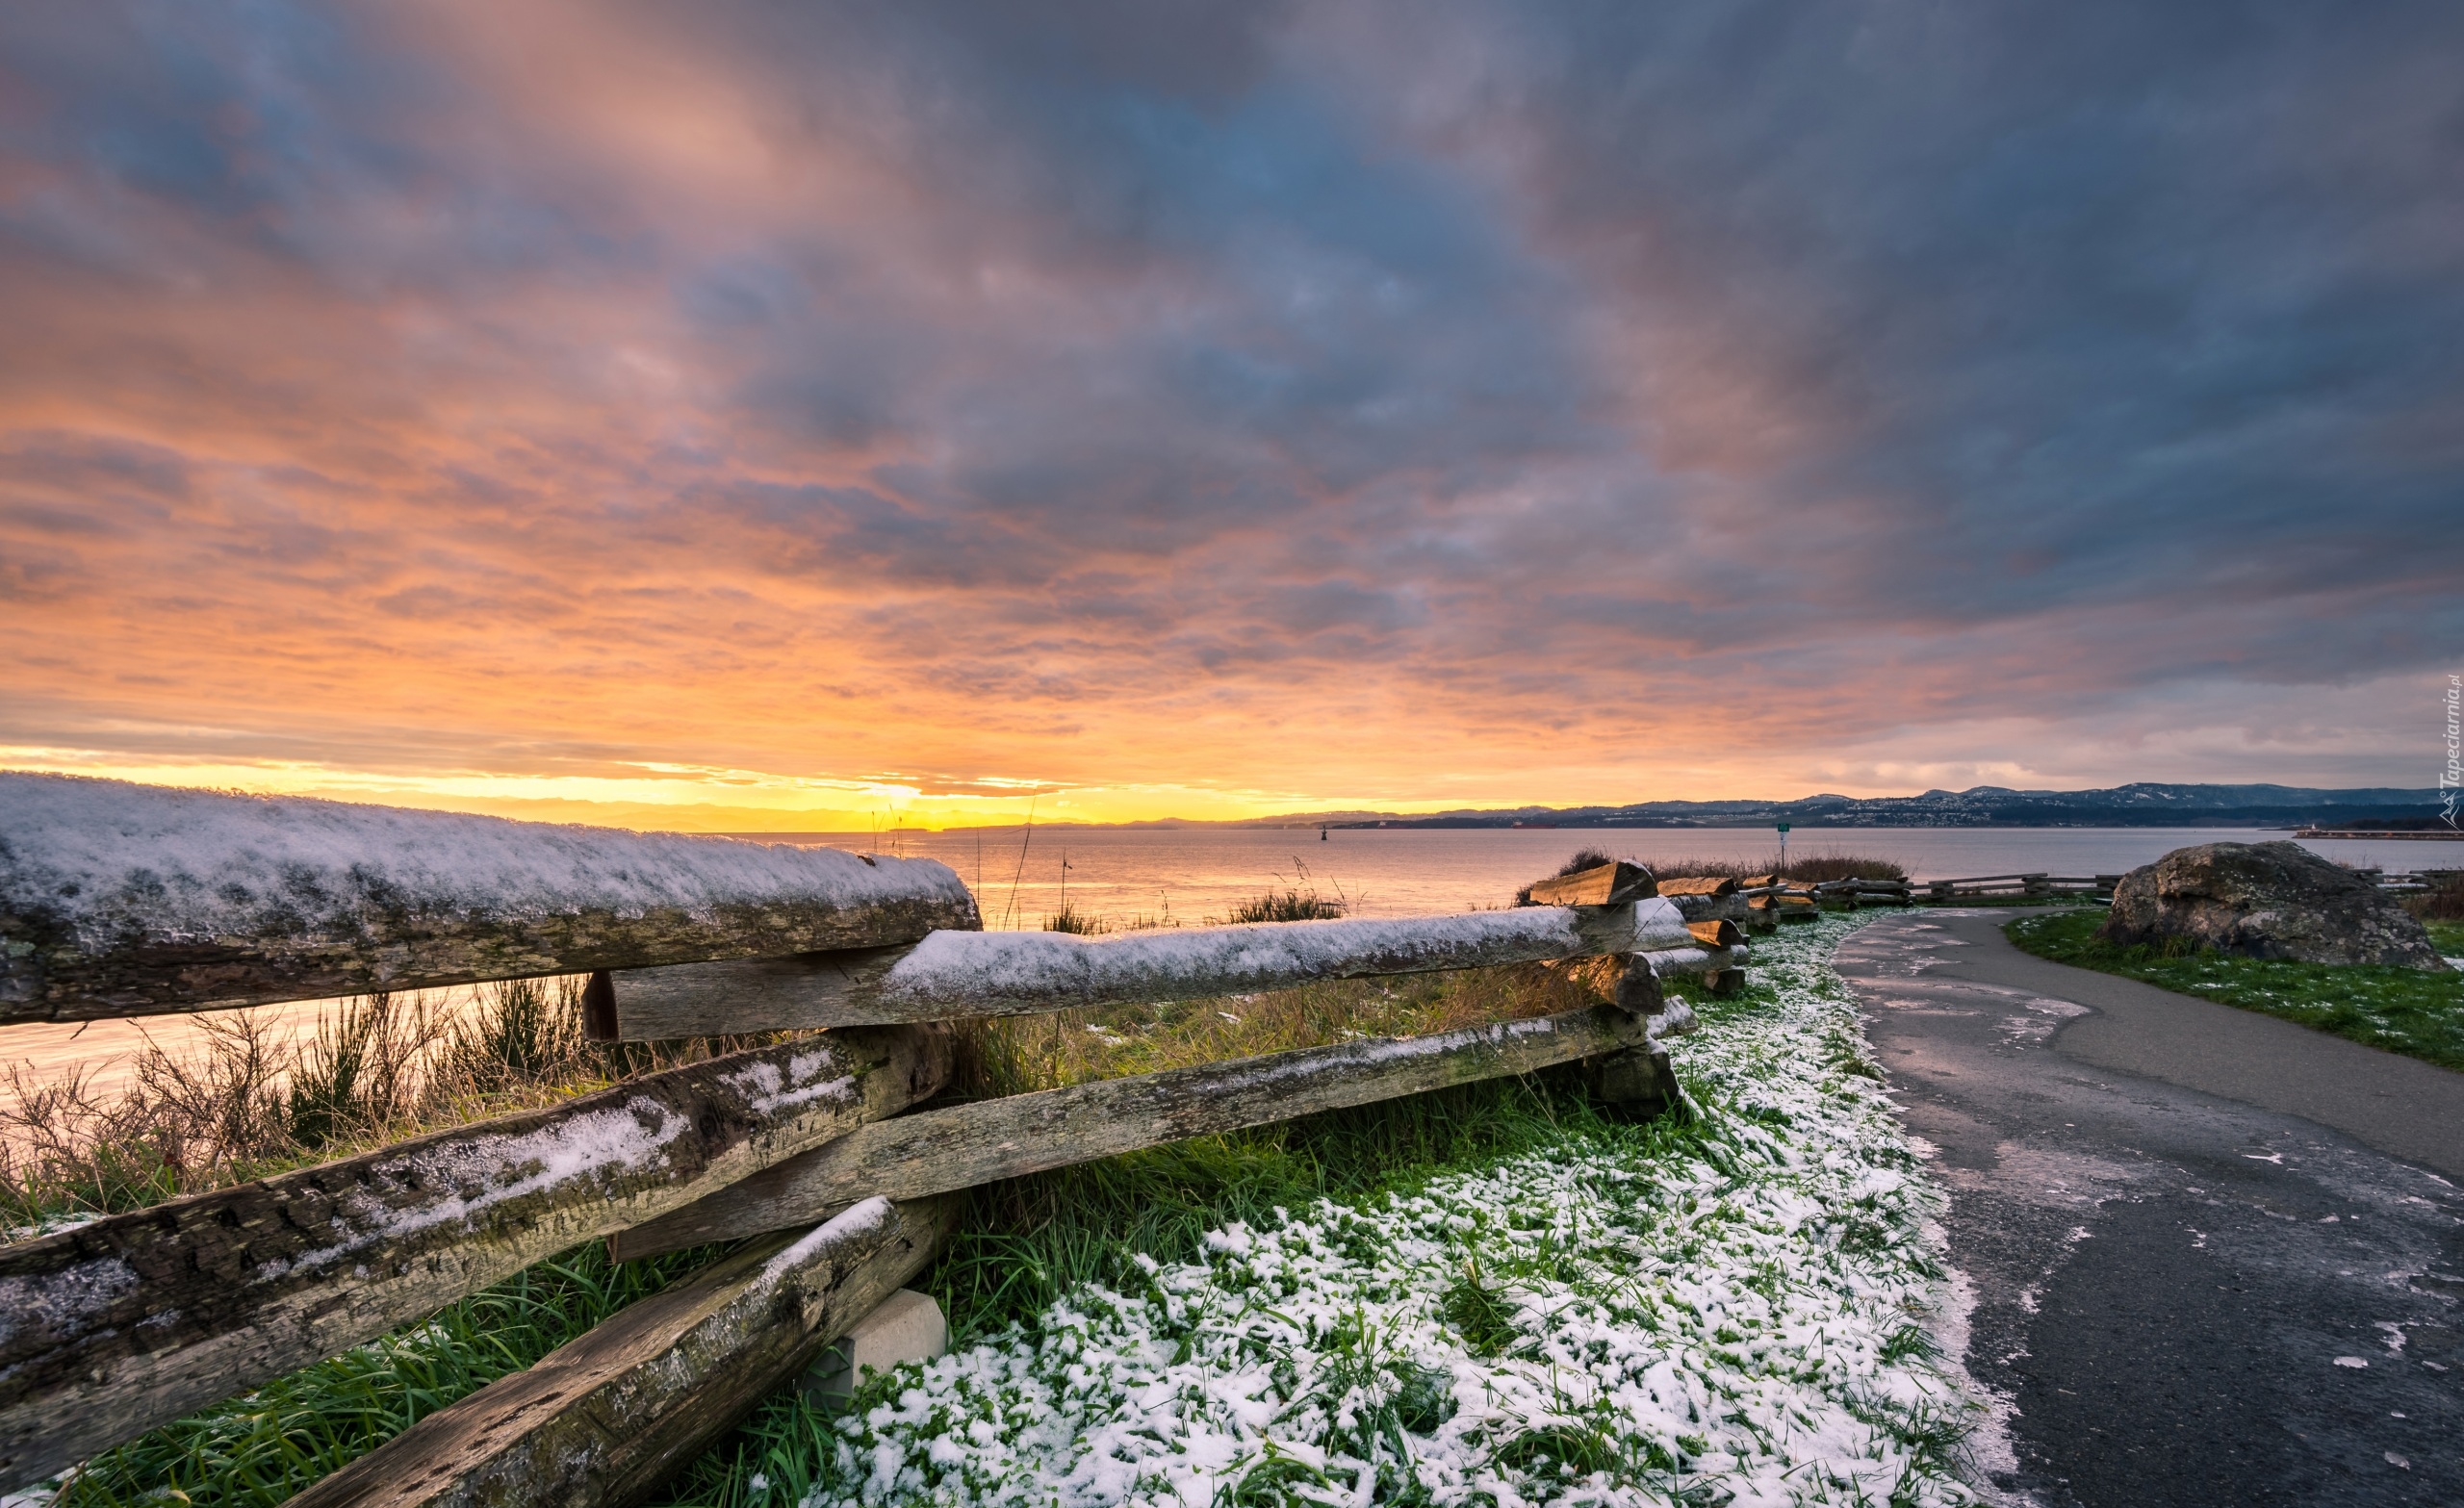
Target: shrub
[2443,902]
[1289,905]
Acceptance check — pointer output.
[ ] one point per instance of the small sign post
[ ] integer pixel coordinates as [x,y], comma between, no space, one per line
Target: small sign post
[1783,851]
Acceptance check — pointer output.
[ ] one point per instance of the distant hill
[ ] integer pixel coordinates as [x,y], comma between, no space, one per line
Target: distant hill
[2141,804]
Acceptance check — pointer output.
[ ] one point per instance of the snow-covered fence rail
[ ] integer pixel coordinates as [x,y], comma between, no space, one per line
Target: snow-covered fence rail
[112,1327]
[960,1146]
[121,899]
[952,974]
[606,1417]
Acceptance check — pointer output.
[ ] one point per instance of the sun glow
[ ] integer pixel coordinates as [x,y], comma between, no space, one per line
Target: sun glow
[693,799]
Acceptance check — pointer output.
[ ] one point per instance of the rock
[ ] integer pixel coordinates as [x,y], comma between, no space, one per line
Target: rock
[2266,900]
[906,1327]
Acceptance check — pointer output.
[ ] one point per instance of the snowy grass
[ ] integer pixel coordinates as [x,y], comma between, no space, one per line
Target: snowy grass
[1724,1312]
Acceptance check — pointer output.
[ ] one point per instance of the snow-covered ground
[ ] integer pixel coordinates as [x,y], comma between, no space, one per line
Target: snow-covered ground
[1732,1315]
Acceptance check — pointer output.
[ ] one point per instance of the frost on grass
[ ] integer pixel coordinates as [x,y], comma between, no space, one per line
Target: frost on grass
[112,859]
[1725,1314]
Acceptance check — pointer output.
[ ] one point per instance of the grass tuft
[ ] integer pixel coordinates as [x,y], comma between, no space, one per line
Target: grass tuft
[1479,1314]
[1070,919]
[1289,905]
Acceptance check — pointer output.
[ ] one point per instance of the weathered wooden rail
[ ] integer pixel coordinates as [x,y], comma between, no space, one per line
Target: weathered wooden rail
[121,899]
[2039,883]
[813,1147]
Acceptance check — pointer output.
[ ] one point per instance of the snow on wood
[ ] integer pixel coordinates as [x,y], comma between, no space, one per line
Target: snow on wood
[1669,963]
[119,899]
[606,1418]
[939,1151]
[954,974]
[126,1322]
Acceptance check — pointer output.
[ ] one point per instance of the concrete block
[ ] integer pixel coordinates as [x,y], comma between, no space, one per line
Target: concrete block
[908,1327]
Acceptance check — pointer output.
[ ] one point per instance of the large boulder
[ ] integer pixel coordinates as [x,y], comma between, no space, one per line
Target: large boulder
[2266,900]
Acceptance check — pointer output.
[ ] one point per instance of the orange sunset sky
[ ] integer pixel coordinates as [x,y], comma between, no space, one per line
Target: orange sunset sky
[748,417]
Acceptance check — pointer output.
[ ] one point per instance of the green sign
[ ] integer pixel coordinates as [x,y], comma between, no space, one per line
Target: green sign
[1784,827]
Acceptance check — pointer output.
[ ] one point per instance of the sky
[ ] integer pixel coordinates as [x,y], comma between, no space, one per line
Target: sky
[747,416]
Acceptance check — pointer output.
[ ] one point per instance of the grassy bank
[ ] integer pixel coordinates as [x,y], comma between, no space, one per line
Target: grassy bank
[2418,1013]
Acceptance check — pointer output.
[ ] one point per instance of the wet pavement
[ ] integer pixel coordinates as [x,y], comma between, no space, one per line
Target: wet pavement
[2204,1256]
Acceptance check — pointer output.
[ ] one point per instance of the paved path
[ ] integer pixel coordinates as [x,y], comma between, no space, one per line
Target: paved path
[2211,1255]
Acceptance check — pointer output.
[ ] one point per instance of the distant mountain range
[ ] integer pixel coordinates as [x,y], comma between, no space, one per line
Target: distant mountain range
[2140,805]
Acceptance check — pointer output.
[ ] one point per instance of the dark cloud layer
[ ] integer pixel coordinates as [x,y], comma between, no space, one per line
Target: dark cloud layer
[1253,396]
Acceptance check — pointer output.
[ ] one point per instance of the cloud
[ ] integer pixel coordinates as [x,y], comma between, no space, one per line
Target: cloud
[1494,402]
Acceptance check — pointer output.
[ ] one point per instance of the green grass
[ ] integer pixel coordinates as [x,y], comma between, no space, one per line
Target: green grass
[259,1449]
[2419,1012]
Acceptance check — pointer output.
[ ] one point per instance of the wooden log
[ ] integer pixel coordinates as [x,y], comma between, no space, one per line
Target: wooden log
[1711,908]
[936,1151]
[1674,962]
[608,1417]
[950,976]
[1608,884]
[111,1328]
[1722,933]
[121,899]
[1698,885]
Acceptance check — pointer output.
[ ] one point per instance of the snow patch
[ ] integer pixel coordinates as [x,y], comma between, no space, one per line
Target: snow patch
[857,1219]
[73,1294]
[485,1171]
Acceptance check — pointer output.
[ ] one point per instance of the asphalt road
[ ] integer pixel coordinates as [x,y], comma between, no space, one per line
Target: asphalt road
[2207,1257]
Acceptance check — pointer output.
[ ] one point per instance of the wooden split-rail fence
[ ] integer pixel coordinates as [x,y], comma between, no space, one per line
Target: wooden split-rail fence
[826,1151]
[2040,884]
